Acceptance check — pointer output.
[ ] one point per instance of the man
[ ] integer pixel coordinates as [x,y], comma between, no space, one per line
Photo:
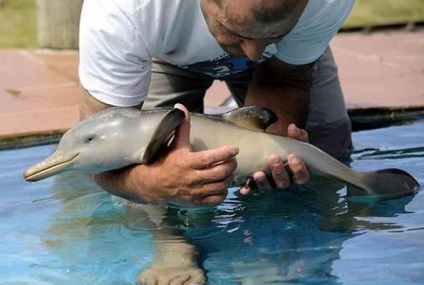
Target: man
[155,53]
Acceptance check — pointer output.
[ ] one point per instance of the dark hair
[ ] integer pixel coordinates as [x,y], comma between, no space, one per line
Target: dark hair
[273,13]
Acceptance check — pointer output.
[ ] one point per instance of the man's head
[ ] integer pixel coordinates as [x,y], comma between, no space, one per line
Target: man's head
[247,27]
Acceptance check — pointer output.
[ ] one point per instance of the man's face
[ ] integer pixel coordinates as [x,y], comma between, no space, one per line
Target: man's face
[235,28]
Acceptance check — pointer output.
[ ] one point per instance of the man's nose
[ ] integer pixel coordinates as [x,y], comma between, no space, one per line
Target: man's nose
[253,49]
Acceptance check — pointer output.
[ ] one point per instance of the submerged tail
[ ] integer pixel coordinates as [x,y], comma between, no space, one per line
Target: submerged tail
[390,183]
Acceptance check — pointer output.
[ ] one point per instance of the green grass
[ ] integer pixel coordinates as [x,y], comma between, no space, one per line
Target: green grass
[18,18]
[18,24]
[382,12]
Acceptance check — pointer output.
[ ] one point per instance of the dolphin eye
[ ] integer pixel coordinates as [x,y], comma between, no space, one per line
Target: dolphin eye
[90,139]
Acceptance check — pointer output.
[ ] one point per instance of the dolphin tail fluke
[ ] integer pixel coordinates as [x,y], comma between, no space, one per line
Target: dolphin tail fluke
[390,183]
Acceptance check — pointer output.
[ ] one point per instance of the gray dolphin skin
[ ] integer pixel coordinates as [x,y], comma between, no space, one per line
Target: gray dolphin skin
[119,137]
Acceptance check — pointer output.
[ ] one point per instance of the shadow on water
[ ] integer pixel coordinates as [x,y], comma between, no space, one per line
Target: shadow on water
[376,118]
[66,228]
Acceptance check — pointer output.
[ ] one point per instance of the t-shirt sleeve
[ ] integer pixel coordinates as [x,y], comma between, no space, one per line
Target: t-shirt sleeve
[316,27]
[114,62]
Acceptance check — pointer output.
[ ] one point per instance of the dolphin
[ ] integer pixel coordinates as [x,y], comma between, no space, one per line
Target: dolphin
[119,137]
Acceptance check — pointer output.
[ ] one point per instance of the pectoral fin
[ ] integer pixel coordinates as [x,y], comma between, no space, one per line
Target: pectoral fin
[163,135]
[251,117]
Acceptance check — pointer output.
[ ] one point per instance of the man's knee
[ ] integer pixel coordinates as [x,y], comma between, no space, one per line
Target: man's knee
[335,139]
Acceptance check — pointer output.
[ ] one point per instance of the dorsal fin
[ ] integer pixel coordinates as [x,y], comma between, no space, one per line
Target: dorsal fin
[163,135]
[251,117]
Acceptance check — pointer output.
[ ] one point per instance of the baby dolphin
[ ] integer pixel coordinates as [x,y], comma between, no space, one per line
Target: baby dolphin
[119,137]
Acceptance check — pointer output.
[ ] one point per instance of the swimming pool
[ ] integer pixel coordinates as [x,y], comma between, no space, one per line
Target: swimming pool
[65,230]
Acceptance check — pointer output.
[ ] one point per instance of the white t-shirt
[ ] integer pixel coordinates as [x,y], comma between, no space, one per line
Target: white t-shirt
[119,39]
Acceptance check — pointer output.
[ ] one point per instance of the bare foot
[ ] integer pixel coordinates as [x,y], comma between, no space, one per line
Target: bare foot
[174,263]
[172,275]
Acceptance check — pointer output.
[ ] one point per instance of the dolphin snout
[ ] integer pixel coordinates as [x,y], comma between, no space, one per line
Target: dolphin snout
[56,163]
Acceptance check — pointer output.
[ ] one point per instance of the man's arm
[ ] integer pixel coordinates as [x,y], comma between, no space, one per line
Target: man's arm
[181,177]
[284,89]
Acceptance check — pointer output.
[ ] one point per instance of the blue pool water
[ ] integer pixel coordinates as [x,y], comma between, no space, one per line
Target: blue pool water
[65,230]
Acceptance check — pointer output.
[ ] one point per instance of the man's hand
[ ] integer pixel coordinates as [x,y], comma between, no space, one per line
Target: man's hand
[280,174]
[181,177]
[184,177]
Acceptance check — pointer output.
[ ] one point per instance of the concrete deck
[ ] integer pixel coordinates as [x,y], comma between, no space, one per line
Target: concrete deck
[383,71]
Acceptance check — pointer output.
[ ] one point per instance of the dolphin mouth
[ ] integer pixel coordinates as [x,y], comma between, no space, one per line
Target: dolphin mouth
[53,165]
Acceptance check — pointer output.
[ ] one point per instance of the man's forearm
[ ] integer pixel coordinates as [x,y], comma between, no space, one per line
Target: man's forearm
[283,90]
[119,183]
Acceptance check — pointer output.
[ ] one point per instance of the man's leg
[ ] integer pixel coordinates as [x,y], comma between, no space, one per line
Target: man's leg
[328,123]
[170,85]
[238,85]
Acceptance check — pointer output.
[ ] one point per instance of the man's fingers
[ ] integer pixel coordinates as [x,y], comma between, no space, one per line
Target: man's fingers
[297,134]
[215,193]
[209,193]
[245,190]
[217,172]
[209,158]
[212,200]
[262,182]
[298,167]
[279,172]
